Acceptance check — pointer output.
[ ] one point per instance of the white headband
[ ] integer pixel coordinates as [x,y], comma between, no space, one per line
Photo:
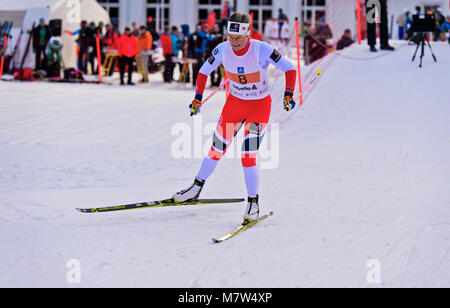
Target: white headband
[238,28]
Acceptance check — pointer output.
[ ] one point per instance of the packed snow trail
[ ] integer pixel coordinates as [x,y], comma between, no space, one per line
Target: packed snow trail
[362,175]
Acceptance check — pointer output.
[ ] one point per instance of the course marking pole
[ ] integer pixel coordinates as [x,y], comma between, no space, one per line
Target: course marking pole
[297,34]
[3,57]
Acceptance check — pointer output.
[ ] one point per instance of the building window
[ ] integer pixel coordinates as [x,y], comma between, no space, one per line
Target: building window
[313,11]
[262,10]
[112,7]
[159,11]
[209,6]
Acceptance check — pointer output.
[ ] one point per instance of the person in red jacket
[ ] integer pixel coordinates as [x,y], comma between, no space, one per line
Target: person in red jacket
[127,50]
[256,35]
[167,45]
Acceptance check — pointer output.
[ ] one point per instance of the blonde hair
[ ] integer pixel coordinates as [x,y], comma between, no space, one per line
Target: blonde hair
[240,17]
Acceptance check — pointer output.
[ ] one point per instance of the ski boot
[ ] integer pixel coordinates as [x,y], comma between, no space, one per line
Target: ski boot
[252,211]
[190,193]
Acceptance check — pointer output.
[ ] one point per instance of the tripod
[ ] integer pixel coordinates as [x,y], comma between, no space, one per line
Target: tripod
[421,43]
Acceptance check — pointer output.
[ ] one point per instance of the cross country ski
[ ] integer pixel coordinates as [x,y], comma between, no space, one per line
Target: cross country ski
[242,227]
[160,203]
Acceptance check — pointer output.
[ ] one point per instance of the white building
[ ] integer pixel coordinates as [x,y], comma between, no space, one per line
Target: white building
[341,14]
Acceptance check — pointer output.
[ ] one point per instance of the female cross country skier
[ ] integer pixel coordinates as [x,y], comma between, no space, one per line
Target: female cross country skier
[246,61]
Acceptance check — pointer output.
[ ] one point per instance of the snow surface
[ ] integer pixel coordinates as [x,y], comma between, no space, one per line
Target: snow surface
[363,174]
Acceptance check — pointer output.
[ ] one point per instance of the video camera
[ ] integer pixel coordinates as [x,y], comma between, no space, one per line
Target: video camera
[423,23]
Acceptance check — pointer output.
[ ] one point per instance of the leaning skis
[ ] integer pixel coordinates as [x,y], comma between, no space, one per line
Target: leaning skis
[242,227]
[160,203]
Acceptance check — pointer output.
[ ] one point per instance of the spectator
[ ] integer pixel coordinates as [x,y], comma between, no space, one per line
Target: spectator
[305,28]
[440,19]
[111,42]
[92,48]
[135,29]
[215,38]
[308,42]
[256,35]
[403,21]
[211,21]
[314,47]
[185,75]
[53,51]
[185,71]
[127,52]
[225,14]
[109,37]
[323,30]
[445,28]
[41,37]
[176,48]
[317,40]
[198,44]
[83,44]
[151,27]
[99,31]
[167,46]
[185,31]
[372,27]
[145,43]
[281,17]
[345,40]
[418,10]
[176,41]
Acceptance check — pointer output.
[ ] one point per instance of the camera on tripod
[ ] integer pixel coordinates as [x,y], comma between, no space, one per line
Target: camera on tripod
[421,25]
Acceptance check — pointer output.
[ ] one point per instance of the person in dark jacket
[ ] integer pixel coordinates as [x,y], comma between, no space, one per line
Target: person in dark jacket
[323,30]
[83,43]
[92,47]
[345,41]
[440,19]
[41,36]
[216,38]
[198,43]
[315,47]
[99,33]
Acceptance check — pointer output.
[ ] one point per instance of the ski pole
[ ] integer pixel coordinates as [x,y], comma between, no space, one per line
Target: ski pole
[3,56]
[297,36]
[319,72]
[215,91]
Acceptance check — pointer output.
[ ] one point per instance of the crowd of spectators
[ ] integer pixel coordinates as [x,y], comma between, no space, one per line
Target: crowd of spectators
[136,47]
[442,27]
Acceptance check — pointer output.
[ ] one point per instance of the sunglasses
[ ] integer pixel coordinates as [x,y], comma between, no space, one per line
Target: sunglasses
[235,38]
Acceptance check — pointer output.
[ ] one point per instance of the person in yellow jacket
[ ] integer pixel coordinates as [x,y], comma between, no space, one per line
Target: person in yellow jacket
[145,43]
